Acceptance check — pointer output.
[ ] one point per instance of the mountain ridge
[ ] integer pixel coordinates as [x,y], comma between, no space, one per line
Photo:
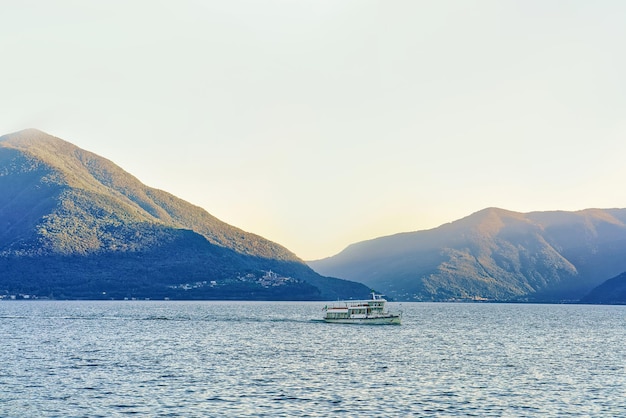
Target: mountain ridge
[612,292]
[72,212]
[155,202]
[492,254]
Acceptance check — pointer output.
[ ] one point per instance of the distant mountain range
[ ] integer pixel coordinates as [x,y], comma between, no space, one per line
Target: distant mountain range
[74,225]
[496,254]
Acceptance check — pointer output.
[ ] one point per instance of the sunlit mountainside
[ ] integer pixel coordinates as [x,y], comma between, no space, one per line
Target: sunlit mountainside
[75,225]
[493,254]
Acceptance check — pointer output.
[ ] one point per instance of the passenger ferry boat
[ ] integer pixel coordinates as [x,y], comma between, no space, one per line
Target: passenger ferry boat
[361,312]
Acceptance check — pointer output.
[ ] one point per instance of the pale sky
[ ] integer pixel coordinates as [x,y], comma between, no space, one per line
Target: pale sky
[320,123]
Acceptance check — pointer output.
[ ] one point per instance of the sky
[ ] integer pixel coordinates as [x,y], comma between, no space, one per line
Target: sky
[321,123]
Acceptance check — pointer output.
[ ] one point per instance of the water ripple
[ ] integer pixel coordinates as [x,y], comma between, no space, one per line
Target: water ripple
[254,359]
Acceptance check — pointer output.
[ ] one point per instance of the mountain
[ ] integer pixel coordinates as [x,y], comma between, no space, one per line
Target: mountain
[75,225]
[493,254]
[611,292]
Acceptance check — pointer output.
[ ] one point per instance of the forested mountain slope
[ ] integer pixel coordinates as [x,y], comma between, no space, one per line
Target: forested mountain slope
[75,225]
[493,254]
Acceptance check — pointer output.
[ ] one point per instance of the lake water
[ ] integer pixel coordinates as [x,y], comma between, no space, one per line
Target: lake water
[251,359]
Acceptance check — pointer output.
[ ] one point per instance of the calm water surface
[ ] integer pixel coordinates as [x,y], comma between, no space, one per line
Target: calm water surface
[249,359]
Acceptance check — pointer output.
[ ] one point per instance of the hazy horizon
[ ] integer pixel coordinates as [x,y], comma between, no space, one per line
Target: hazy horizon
[320,123]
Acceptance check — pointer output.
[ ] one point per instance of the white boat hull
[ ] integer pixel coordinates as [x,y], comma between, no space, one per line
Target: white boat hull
[386,320]
[364,312]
